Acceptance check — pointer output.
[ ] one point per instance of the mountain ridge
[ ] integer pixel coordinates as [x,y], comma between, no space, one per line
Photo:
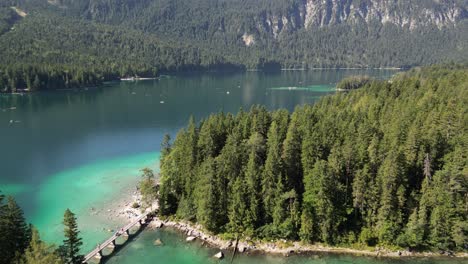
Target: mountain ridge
[292,33]
[297,13]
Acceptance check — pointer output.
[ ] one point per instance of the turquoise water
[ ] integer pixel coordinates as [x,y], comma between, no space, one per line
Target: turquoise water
[14,189]
[175,250]
[83,189]
[81,149]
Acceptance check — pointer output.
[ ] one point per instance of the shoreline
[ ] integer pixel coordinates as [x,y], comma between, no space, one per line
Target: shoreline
[283,248]
[195,232]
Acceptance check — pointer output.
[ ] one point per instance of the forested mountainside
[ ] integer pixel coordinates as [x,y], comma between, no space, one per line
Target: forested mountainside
[170,34]
[293,14]
[385,165]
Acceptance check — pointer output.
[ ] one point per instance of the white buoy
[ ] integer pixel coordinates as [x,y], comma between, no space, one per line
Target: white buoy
[161,102]
[227,92]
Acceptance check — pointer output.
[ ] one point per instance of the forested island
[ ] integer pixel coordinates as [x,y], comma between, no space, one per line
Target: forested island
[382,165]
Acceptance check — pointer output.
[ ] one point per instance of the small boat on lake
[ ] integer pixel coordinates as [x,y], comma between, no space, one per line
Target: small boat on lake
[137,79]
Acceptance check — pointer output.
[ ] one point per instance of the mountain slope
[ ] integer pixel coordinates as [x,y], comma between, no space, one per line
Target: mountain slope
[292,33]
[276,14]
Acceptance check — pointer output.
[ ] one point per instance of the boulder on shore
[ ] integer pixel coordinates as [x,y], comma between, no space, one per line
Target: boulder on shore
[241,248]
[190,238]
[219,255]
[158,224]
[227,245]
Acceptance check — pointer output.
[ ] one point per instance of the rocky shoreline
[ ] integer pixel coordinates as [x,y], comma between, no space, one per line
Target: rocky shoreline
[280,247]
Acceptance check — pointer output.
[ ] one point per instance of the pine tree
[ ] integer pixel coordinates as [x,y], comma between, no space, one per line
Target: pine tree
[230,165]
[39,252]
[165,147]
[291,155]
[240,220]
[147,187]
[70,250]
[190,156]
[167,196]
[413,235]
[15,231]
[207,197]
[253,174]
[308,232]
[272,171]
[279,213]
[320,198]
[261,120]
[392,190]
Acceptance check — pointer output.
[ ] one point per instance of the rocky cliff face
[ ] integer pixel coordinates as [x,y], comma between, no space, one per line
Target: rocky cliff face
[271,17]
[407,14]
[402,13]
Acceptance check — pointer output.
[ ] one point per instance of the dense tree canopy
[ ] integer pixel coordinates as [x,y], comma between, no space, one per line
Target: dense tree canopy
[33,77]
[15,232]
[384,164]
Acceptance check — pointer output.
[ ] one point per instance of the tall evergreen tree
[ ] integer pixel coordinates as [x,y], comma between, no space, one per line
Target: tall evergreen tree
[272,172]
[147,187]
[167,197]
[291,155]
[70,250]
[15,232]
[253,174]
[240,217]
[208,207]
[392,201]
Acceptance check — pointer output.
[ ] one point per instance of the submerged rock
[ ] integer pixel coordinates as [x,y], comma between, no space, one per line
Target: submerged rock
[219,255]
[158,242]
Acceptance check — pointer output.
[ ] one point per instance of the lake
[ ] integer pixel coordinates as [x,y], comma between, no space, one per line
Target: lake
[80,149]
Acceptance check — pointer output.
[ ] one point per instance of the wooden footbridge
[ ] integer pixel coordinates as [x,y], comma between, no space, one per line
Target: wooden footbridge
[110,243]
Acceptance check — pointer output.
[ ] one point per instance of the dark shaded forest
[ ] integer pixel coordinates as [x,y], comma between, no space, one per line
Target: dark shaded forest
[385,164]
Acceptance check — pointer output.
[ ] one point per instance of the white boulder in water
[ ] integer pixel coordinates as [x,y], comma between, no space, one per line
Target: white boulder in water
[219,255]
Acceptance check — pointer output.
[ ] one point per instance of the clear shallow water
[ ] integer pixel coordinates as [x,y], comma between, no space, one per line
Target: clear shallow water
[84,189]
[79,149]
[175,250]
